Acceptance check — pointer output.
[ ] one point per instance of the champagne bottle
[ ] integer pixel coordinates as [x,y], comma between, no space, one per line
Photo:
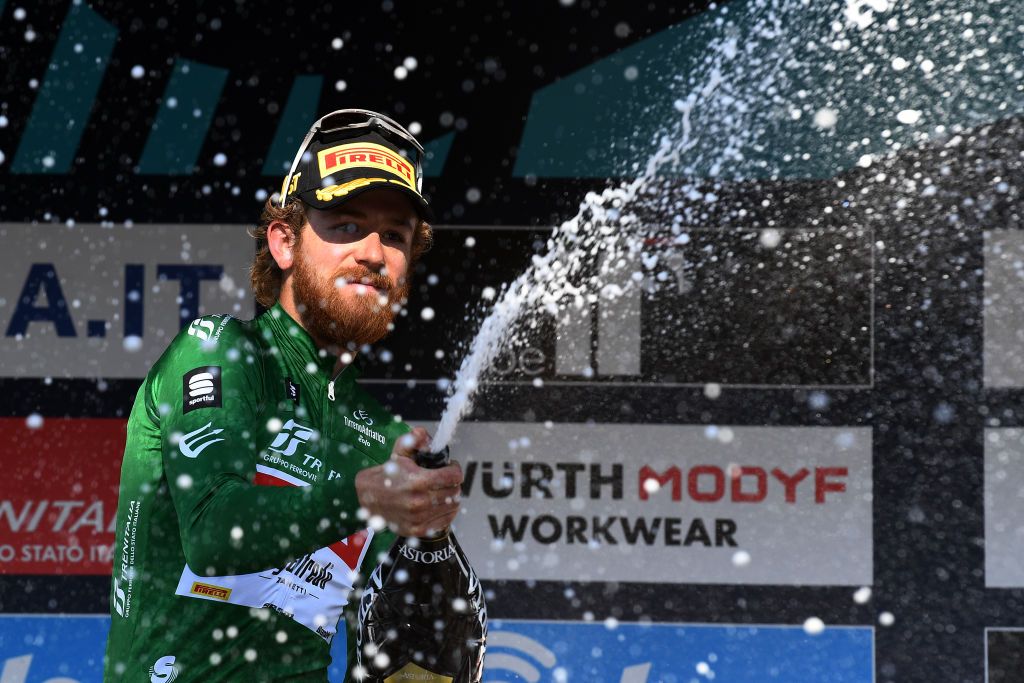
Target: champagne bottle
[422,615]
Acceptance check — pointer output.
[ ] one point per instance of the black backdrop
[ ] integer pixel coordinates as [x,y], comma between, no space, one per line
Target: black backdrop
[928,473]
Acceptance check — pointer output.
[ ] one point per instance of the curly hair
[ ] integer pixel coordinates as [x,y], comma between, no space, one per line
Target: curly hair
[266,275]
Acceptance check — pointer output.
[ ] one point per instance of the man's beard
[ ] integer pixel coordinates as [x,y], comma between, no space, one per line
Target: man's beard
[348,321]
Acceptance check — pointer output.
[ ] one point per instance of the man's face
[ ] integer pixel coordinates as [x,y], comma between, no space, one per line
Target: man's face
[351,267]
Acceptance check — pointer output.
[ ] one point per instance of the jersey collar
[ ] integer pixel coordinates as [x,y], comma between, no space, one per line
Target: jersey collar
[297,342]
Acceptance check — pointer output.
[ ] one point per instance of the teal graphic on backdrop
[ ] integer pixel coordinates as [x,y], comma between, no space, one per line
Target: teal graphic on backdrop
[185,115]
[760,71]
[435,153]
[299,112]
[67,93]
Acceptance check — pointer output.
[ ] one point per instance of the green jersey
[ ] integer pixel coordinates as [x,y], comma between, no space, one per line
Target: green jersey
[239,538]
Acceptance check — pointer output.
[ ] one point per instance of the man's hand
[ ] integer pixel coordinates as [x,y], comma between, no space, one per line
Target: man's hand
[413,500]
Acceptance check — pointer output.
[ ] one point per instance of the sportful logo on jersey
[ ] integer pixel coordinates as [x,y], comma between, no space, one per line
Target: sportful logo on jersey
[195,442]
[292,436]
[201,388]
[201,328]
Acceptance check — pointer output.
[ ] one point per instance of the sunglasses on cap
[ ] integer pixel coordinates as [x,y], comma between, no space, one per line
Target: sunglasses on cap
[361,124]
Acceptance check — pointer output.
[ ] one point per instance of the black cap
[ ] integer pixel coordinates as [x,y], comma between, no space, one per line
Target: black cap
[334,168]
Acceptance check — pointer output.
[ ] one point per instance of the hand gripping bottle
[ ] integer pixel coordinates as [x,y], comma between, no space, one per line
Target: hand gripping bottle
[422,616]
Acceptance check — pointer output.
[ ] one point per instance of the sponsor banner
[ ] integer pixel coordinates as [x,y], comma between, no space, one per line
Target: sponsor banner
[58,496]
[546,652]
[690,504]
[70,648]
[1004,655]
[104,301]
[1004,508]
[1004,308]
[67,648]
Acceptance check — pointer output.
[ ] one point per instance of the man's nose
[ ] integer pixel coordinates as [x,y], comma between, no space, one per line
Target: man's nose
[370,252]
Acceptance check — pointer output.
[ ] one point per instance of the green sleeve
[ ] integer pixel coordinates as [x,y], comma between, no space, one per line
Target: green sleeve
[227,524]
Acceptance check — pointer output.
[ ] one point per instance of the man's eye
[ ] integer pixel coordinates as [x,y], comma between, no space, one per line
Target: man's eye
[347,228]
[395,236]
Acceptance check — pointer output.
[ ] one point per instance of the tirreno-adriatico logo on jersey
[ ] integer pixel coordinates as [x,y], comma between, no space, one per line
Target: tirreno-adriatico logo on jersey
[363,429]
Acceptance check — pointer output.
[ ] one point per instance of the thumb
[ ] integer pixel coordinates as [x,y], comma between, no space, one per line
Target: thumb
[411,442]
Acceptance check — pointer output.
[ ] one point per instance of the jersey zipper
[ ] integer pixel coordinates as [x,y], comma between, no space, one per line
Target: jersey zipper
[330,385]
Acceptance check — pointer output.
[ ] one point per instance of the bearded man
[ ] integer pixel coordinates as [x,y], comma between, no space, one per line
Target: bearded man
[259,480]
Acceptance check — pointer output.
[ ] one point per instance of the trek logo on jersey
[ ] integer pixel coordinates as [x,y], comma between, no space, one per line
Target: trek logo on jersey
[163,670]
[291,436]
[201,389]
[201,328]
[195,442]
[292,390]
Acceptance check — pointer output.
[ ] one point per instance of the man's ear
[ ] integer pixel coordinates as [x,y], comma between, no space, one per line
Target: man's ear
[281,240]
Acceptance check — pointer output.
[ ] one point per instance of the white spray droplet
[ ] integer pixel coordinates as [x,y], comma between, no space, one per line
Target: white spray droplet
[909,116]
[770,238]
[814,626]
[826,118]
[741,558]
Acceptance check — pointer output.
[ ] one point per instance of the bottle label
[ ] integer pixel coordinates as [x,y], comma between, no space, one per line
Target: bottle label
[410,672]
[424,554]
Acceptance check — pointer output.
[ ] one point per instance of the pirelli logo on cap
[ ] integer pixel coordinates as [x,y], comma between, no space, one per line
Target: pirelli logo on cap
[209,591]
[366,155]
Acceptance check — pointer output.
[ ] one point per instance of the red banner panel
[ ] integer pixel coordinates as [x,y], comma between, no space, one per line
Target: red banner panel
[58,496]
